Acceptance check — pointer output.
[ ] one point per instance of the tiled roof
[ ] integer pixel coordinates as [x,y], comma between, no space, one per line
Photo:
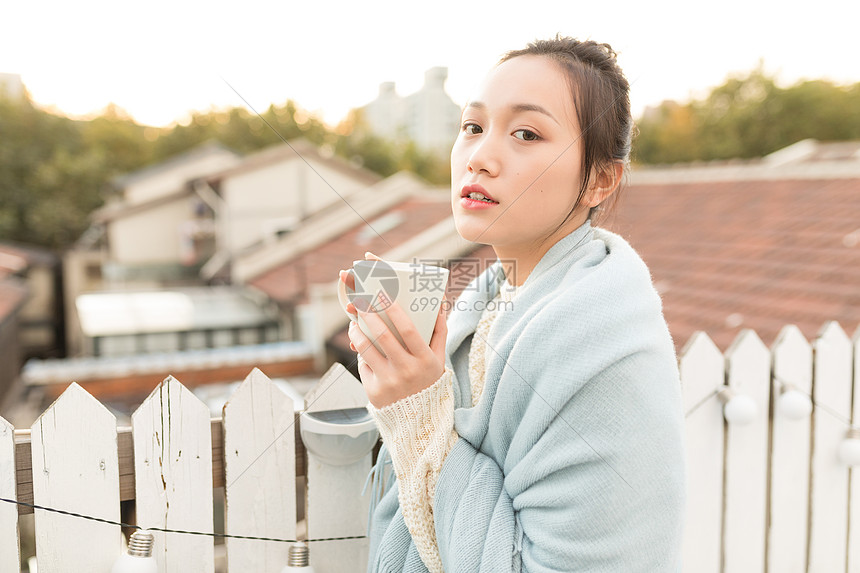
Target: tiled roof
[287,282]
[727,256]
[730,255]
[195,153]
[298,148]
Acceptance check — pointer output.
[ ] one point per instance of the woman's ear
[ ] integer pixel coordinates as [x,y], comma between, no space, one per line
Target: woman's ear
[604,183]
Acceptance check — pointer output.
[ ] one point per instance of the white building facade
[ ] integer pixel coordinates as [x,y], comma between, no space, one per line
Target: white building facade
[429,117]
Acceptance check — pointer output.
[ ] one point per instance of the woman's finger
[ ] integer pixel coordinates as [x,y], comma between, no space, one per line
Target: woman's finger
[381,333]
[365,347]
[348,279]
[406,328]
[440,334]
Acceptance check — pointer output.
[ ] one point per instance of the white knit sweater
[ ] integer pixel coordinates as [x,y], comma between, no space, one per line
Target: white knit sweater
[419,432]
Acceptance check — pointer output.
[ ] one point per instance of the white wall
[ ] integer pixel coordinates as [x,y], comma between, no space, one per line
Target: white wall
[151,236]
[256,200]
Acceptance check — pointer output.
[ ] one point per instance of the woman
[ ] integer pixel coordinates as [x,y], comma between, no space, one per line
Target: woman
[545,434]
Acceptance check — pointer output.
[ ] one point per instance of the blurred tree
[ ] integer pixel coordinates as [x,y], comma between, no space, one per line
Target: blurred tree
[356,142]
[118,138]
[29,139]
[53,169]
[747,116]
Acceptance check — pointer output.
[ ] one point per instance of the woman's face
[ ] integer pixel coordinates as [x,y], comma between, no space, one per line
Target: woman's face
[519,144]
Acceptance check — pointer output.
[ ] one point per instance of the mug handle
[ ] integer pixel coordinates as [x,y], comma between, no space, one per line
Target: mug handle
[342,296]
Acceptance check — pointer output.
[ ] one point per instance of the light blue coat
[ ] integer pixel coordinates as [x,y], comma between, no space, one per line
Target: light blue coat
[573,458]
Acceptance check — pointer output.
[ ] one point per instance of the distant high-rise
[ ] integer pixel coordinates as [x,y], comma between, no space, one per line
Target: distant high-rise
[11,86]
[429,117]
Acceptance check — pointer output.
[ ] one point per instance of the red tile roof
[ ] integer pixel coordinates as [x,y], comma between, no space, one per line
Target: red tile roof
[731,255]
[288,281]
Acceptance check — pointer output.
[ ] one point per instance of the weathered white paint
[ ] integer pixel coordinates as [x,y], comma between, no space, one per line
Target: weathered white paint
[260,463]
[831,393]
[336,508]
[336,390]
[76,468]
[335,505]
[702,374]
[9,555]
[792,363]
[854,473]
[748,370]
[173,469]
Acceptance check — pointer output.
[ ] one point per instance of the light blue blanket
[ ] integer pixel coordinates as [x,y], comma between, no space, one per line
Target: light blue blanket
[573,458]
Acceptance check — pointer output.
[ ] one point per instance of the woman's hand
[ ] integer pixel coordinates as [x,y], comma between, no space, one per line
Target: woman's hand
[401,372]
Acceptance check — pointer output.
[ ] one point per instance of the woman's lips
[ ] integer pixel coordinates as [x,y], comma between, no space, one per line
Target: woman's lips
[468,203]
[475,188]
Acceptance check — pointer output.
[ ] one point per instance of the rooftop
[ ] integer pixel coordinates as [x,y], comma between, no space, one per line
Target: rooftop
[728,255]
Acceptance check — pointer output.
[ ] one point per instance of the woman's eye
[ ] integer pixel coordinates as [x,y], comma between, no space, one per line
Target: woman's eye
[526,135]
[472,128]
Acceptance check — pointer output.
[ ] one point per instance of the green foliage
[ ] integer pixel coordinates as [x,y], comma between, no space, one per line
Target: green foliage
[54,171]
[748,116]
[50,175]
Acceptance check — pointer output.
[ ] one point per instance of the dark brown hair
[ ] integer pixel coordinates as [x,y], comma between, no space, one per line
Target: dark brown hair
[601,97]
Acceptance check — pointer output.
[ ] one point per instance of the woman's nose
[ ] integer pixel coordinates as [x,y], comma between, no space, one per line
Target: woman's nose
[484,158]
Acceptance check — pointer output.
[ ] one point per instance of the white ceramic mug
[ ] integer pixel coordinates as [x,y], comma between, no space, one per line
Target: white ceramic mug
[419,289]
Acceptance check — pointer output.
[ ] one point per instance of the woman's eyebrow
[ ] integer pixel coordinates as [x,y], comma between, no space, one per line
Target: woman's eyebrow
[517,107]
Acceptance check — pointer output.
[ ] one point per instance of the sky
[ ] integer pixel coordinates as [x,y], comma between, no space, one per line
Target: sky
[161,60]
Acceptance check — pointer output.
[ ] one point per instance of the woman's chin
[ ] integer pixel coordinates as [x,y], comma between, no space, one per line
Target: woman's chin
[472,231]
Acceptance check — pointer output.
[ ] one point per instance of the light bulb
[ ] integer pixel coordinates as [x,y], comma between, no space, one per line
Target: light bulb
[737,408]
[849,448]
[793,403]
[139,558]
[299,559]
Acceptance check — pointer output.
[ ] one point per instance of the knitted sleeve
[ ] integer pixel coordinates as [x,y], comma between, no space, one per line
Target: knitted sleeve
[419,432]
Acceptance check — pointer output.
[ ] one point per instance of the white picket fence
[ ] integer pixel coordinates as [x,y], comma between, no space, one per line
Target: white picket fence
[767,496]
[76,467]
[772,495]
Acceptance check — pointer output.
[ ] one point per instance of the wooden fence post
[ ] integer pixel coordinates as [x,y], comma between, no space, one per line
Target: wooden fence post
[76,468]
[702,374]
[260,464]
[173,476]
[854,473]
[789,484]
[748,370]
[9,552]
[831,391]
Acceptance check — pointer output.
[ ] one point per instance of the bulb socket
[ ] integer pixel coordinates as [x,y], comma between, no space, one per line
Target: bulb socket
[299,555]
[140,544]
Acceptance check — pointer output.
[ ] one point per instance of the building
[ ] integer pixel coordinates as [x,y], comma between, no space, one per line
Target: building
[403,219]
[11,86]
[273,192]
[175,228]
[429,117]
[156,228]
[13,294]
[41,324]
